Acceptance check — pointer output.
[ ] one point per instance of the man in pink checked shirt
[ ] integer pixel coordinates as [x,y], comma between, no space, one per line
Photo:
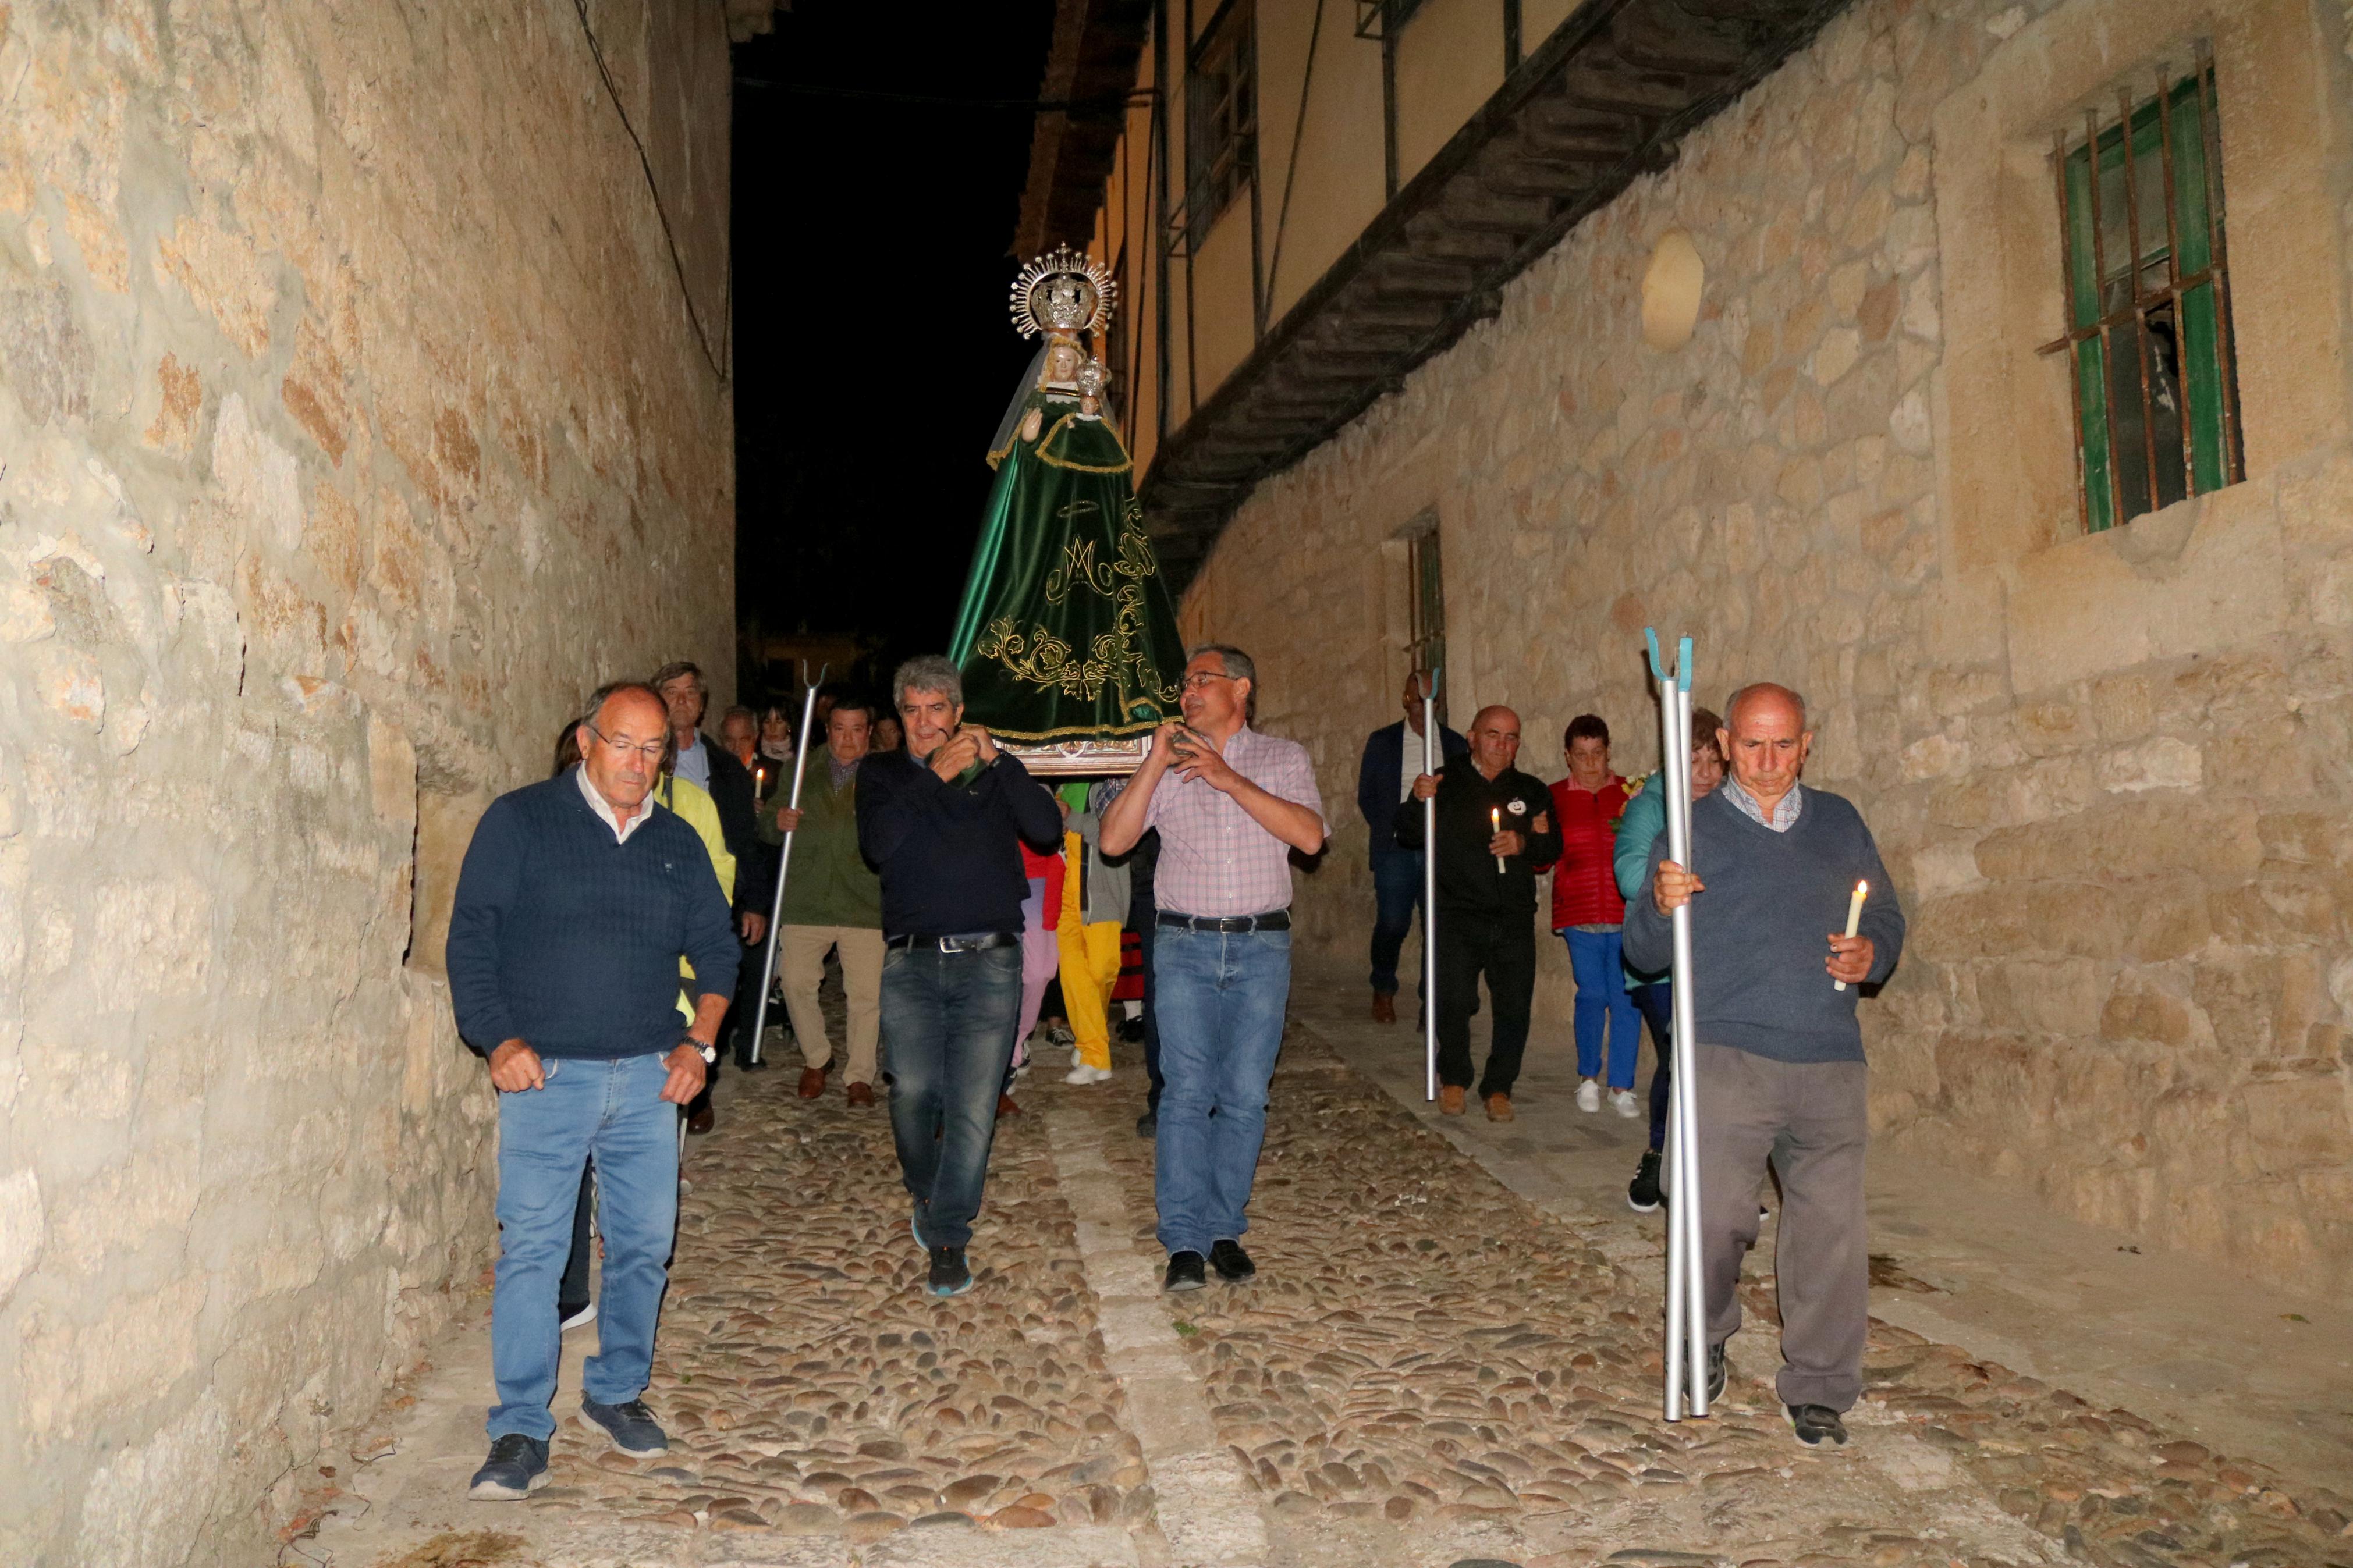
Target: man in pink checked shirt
[1231,804]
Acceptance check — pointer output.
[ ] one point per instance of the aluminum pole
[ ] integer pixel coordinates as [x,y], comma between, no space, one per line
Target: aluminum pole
[1686,1348]
[1430,889]
[783,859]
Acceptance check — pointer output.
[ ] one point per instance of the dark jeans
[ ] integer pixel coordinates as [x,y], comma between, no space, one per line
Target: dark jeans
[573,1294]
[948,1024]
[1141,920]
[736,1034]
[1656,1002]
[1397,893]
[1505,949]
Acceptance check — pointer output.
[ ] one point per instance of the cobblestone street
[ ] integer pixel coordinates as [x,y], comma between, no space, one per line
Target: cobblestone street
[1430,1369]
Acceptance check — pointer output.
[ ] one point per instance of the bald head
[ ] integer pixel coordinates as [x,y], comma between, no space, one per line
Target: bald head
[1495,739]
[1765,741]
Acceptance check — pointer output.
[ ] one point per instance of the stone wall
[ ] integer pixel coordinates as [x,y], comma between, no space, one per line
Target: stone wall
[2110,771]
[351,426]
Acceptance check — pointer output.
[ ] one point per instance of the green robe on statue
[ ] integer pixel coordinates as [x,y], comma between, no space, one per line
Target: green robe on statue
[1066,631]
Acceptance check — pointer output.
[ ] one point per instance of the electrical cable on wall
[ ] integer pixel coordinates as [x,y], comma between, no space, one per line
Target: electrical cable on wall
[645,162]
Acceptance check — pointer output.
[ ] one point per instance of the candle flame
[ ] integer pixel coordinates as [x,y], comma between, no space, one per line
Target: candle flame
[1860,888]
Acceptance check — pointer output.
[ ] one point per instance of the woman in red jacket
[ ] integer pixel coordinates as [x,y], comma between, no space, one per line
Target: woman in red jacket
[1587,912]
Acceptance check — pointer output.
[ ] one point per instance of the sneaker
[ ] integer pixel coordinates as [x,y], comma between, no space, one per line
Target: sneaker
[950,1275]
[1812,1423]
[1233,1264]
[516,1468]
[1187,1271]
[915,1229]
[1589,1096]
[1082,1073]
[1132,1030]
[1718,1373]
[1621,1100]
[1148,1125]
[587,1314]
[632,1426]
[1642,1192]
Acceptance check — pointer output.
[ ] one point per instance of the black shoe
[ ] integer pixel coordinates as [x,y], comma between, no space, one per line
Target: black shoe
[1642,1192]
[1717,1373]
[632,1426]
[1131,1030]
[1148,1125]
[744,1064]
[1812,1423]
[516,1468]
[1233,1264]
[950,1275]
[1184,1272]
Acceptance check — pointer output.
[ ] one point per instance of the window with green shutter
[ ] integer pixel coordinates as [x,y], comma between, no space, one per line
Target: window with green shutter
[2149,303]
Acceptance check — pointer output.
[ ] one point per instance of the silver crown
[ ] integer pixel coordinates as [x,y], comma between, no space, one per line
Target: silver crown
[1062,293]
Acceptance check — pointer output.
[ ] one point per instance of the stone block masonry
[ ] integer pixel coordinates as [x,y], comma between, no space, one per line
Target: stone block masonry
[2108,770]
[353,425]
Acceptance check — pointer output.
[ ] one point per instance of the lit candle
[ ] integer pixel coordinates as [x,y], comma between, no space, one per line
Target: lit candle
[1853,917]
[759,782]
[1495,822]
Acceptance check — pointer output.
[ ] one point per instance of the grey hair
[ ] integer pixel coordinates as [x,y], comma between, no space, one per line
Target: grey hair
[612,688]
[676,668]
[1758,688]
[927,672]
[739,712]
[1237,665]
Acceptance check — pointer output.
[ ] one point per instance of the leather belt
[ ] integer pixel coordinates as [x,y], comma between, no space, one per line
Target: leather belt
[980,943]
[1276,920]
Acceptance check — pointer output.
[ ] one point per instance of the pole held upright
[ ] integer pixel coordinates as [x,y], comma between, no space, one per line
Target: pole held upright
[784,857]
[1429,753]
[1686,1351]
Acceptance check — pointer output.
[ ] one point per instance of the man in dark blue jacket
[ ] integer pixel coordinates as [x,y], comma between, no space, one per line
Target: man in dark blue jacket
[1392,760]
[577,900]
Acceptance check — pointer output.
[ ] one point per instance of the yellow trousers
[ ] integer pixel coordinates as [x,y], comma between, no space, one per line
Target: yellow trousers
[1089,964]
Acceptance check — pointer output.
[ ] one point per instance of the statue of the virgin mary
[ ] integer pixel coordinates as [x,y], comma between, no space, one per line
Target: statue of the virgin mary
[1066,635]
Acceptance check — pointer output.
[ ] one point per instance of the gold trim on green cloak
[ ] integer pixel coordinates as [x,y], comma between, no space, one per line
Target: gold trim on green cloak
[1046,455]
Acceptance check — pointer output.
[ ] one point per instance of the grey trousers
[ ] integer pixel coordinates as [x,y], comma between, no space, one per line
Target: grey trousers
[1808,1119]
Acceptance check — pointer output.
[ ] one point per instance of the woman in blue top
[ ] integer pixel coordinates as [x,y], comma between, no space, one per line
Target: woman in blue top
[1644,819]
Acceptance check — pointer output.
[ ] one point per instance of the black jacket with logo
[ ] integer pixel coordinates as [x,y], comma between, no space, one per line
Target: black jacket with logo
[1468,881]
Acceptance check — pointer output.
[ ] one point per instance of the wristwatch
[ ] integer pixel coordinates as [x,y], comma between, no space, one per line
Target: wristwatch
[709,1053]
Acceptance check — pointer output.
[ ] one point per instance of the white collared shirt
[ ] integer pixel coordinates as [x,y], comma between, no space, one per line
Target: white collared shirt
[604,808]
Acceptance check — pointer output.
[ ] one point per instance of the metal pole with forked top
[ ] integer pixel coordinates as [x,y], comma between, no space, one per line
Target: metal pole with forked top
[784,856]
[1686,1354]
[1429,755]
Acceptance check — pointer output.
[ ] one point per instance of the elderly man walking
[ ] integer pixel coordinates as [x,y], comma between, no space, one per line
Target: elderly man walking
[1495,827]
[1384,776]
[833,903]
[943,820]
[1231,804]
[577,899]
[1777,1054]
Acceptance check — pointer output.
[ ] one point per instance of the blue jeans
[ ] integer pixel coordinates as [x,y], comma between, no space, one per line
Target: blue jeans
[1656,1002]
[1397,893]
[948,1021]
[1220,999]
[1597,957]
[614,1110]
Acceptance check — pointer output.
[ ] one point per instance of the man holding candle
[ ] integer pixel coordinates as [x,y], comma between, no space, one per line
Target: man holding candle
[1495,827]
[1384,776]
[1777,1055]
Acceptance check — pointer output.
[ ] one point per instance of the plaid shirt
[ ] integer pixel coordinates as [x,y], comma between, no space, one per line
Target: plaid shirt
[1784,810]
[1214,859]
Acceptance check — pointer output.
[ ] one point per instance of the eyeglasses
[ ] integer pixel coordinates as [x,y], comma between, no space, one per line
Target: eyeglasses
[652,752]
[1197,682]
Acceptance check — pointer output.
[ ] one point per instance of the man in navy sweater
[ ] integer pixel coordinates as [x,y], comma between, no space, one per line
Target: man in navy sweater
[1384,776]
[1776,1054]
[577,900]
[940,819]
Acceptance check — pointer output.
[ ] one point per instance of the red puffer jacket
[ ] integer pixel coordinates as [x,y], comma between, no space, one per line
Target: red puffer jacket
[1585,881]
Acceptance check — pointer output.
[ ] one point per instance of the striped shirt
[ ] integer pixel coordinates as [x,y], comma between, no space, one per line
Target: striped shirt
[1215,859]
[1784,810]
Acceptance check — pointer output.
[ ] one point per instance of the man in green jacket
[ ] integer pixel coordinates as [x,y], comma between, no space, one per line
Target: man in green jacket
[833,903]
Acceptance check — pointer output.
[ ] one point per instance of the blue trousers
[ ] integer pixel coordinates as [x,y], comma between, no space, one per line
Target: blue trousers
[947,1021]
[1397,893]
[1597,957]
[1656,1002]
[614,1110]
[1220,999]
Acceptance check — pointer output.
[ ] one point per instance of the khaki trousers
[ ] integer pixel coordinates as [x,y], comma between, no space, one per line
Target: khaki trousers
[800,954]
[1806,1120]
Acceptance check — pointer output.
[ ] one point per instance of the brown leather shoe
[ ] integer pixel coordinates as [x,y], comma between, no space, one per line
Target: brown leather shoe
[812,1082]
[1450,1100]
[700,1121]
[861,1094]
[1384,1007]
[1499,1108]
[1005,1106]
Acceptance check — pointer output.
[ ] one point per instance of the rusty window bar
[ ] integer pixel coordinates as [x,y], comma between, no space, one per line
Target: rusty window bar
[2201,401]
